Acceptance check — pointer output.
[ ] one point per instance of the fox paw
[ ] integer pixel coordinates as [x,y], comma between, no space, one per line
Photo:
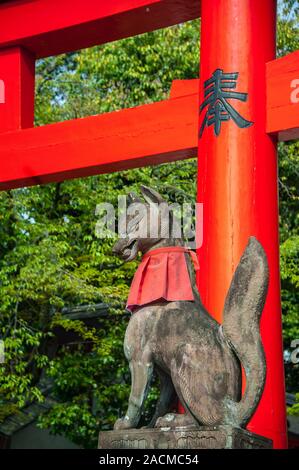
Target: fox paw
[122,423]
[173,420]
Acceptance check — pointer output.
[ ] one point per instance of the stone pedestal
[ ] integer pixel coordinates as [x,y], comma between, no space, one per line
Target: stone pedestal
[216,437]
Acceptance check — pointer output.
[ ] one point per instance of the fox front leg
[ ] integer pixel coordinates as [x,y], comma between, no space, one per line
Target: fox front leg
[141,374]
[166,398]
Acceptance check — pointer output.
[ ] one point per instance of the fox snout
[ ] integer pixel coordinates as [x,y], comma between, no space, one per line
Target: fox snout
[119,247]
[126,248]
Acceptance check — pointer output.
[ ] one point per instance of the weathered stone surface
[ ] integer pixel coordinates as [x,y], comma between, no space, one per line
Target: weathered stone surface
[195,358]
[189,437]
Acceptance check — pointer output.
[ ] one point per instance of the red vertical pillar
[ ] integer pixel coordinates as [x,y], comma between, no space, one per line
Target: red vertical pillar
[17,68]
[237,175]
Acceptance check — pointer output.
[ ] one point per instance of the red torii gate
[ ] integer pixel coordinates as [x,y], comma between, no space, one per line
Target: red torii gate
[237,178]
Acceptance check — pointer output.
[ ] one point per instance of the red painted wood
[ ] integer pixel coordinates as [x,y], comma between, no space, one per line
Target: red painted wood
[19,114]
[51,27]
[282,114]
[146,135]
[183,127]
[237,181]
[184,87]
[283,96]
[17,76]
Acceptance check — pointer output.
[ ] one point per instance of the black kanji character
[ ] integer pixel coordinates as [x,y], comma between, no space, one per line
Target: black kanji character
[219,109]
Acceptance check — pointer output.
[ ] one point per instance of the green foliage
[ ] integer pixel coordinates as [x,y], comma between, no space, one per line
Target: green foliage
[51,257]
[294,410]
[22,364]
[290,285]
[288,27]
[87,383]
[289,249]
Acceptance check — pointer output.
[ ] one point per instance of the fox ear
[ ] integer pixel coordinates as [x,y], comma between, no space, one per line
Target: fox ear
[151,196]
[132,197]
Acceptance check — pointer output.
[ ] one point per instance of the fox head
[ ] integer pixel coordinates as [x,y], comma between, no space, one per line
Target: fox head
[149,222]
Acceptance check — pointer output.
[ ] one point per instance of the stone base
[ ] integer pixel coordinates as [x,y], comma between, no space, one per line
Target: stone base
[189,437]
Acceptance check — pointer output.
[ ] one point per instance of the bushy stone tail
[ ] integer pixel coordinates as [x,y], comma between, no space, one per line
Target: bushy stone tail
[241,328]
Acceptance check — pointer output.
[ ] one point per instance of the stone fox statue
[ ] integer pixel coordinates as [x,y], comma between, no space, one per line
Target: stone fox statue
[193,355]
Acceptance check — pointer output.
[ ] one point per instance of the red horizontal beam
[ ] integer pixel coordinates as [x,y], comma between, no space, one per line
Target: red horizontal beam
[51,27]
[283,97]
[146,135]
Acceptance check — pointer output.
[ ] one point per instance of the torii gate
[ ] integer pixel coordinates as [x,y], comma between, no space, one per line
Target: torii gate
[237,177]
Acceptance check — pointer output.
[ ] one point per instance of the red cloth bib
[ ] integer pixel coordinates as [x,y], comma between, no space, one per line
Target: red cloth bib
[162,275]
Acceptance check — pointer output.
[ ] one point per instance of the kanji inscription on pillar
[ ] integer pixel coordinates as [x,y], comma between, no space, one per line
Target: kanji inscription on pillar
[217,92]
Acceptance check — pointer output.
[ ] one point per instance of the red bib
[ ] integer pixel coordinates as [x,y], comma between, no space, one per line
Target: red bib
[162,275]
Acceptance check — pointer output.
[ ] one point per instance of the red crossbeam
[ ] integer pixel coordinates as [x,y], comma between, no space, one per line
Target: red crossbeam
[146,135]
[51,27]
[283,97]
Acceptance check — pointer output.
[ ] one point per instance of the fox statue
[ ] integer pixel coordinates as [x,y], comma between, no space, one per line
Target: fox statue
[195,357]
